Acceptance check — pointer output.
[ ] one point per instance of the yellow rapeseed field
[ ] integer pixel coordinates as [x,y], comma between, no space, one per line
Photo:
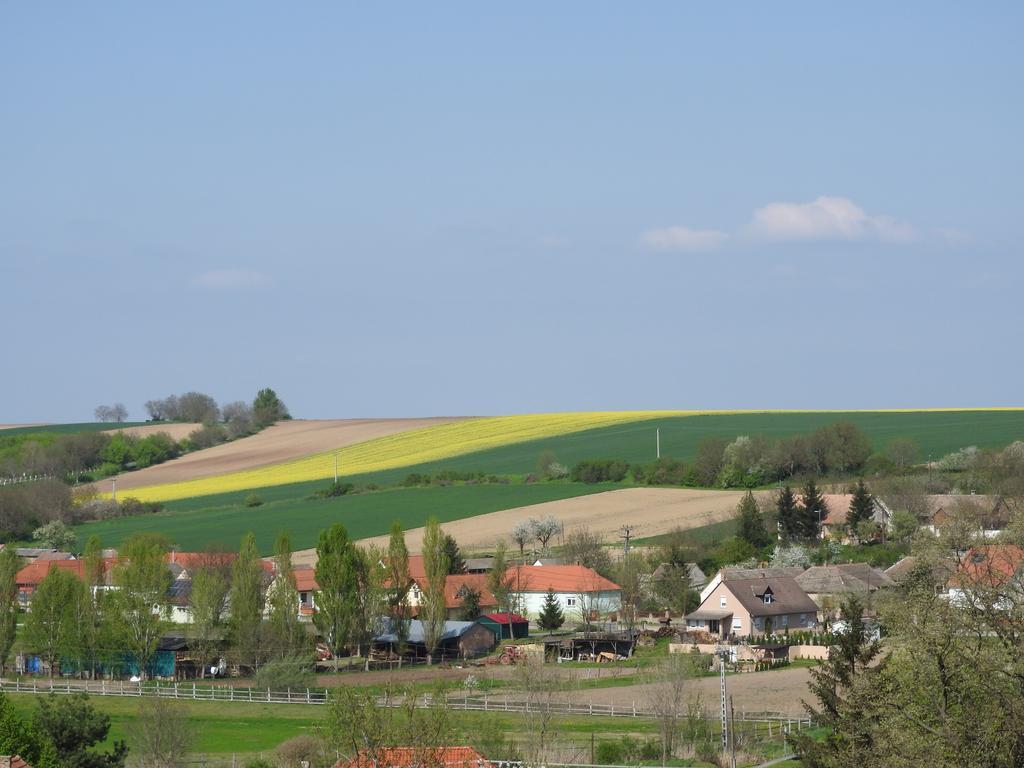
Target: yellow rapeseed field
[403,449]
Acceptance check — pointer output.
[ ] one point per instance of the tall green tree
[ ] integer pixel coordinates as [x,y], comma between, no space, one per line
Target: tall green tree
[433,611]
[788,513]
[245,625]
[267,408]
[286,633]
[862,506]
[10,563]
[812,510]
[551,617]
[74,726]
[398,584]
[497,578]
[20,736]
[138,609]
[456,563]
[751,522]
[89,614]
[211,585]
[337,583]
[50,622]
[370,599]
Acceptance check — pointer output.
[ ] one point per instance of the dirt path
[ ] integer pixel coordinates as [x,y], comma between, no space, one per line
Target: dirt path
[651,510]
[281,442]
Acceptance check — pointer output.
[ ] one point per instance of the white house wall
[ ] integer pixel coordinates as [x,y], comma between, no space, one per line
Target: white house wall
[602,602]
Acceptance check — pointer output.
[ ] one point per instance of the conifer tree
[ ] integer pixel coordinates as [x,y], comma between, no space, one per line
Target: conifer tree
[788,514]
[862,506]
[751,522]
[811,511]
[550,617]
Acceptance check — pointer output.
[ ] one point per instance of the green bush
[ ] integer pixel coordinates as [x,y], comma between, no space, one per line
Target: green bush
[609,753]
[600,471]
[252,500]
[290,672]
[335,489]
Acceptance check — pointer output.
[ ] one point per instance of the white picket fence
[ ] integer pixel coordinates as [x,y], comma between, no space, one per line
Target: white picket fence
[465,701]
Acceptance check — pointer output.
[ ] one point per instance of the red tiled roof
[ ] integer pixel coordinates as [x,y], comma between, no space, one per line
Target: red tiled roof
[33,574]
[992,565]
[305,579]
[477,581]
[576,579]
[411,757]
[13,761]
[506,618]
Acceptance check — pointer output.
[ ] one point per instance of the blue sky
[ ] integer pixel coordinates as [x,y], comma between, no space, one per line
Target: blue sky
[387,210]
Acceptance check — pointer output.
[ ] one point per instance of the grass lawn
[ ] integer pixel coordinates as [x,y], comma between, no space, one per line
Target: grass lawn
[364,515]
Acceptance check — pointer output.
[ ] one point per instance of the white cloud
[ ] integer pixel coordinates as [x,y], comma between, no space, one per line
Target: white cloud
[683,239]
[827,218]
[231,279]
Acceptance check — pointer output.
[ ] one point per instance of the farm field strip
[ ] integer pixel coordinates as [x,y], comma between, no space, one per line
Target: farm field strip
[401,449]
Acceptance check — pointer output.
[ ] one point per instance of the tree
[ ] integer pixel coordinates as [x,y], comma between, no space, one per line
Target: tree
[10,563]
[904,526]
[164,736]
[788,514]
[666,684]
[369,599]
[902,452]
[812,510]
[55,535]
[628,578]
[551,617]
[73,725]
[267,408]
[139,607]
[398,580]
[238,418]
[19,736]
[497,578]
[211,584]
[50,622]
[116,412]
[522,534]
[337,581]
[586,548]
[543,530]
[245,625]
[456,563]
[470,599]
[862,506]
[541,686]
[751,522]
[709,461]
[433,611]
[197,407]
[286,634]
[674,590]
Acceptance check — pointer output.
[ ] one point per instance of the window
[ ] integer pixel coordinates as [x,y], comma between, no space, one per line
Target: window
[785,619]
[767,598]
[721,601]
[737,623]
[570,602]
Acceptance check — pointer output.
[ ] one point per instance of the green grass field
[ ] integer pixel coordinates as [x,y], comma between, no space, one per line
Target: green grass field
[370,514]
[70,429]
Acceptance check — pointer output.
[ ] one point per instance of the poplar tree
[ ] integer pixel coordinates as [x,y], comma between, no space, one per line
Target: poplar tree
[551,617]
[286,633]
[497,578]
[10,564]
[247,603]
[398,585]
[788,514]
[50,622]
[337,583]
[369,599]
[209,600]
[433,611]
[139,607]
[751,522]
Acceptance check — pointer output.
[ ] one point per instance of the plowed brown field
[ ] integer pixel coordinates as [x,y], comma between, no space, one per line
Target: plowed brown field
[281,442]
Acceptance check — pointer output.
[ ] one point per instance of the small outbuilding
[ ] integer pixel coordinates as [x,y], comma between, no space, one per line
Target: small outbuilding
[506,626]
[460,640]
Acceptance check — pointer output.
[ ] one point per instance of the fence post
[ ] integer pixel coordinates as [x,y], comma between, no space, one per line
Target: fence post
[308,700]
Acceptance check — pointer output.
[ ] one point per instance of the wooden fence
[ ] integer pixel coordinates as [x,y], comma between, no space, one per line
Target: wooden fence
[463,701]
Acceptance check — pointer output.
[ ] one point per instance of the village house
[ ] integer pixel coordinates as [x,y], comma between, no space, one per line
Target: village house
[744,607]
[829,585]
[581,592]
[725,574]
[414,757]
[988,515]
[993,571]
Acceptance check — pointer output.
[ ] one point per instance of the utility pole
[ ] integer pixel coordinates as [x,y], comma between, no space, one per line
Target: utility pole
[335,468]
[113,488]
[657,439]
[728,739]
[626,533]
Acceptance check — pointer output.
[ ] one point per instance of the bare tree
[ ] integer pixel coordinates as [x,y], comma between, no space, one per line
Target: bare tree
[238,418]
[544,530]
[541,685]
[666,682]
[522,534]
[164,736]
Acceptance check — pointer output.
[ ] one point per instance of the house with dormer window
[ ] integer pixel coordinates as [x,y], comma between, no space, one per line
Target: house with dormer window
[765,603]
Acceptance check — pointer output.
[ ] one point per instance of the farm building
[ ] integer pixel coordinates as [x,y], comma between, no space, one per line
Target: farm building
[506,626]
[989,514]
[416,757]
[460,640]
[582,592]
[754,606]
[590,646]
